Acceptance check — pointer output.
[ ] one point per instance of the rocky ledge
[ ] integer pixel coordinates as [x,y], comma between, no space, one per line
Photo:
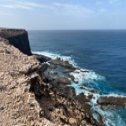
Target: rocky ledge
[35,91]
[18,38]
[28,97]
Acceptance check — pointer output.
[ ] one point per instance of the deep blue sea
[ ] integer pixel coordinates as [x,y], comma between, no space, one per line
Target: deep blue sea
[102,51]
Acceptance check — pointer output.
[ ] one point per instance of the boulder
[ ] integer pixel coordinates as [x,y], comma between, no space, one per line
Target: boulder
[65,64]
[72,121]
[69,92]
[63,80]
[42,58]
[82,98]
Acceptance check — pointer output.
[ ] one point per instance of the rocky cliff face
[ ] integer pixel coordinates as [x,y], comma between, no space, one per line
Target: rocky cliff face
[29,97]
[18,38]
[32,92]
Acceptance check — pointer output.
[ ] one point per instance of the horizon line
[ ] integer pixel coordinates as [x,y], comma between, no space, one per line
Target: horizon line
[75,29]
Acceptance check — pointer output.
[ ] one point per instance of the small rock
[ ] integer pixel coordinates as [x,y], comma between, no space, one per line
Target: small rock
[63,119]
[72,121]
[83,123]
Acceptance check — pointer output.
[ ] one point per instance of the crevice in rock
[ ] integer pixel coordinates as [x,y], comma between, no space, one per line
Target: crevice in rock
[56,108]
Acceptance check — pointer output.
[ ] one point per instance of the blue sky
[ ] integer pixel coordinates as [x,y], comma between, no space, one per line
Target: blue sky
[63,14]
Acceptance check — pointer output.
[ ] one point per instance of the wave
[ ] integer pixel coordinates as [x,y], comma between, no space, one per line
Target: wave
[121,95]
[86,76]
[81,75]
[55,56]
[111,118]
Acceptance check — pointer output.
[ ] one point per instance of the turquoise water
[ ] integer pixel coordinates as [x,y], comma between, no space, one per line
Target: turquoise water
[101,52]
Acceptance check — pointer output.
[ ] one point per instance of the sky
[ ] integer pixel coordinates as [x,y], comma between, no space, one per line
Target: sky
[63,14]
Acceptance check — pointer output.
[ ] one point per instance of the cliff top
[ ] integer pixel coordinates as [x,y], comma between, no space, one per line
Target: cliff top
[7,33]
[17,38]
[29,98]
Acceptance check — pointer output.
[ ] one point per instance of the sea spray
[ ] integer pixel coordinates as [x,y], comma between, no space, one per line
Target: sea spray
[81,76]
[55,56]
[86,76]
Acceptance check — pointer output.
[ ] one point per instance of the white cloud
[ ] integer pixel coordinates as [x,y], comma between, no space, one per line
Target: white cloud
[57,8]
[71,9]
[60,8]
[20,5]
[16,6]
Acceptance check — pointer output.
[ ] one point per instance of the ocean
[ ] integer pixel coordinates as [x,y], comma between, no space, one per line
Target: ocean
[103,52]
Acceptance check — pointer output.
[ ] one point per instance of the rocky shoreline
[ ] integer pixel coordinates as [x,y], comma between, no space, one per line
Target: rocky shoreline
[36,90]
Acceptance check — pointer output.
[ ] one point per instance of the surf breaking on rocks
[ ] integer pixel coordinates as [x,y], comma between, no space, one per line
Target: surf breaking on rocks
[83,77]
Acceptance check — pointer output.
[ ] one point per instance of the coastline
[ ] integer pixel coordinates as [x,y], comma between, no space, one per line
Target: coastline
[96,101]
[48,84]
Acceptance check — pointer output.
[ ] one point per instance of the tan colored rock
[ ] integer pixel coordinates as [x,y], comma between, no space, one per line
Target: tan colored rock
[72,121]
[18,106]
[27,98]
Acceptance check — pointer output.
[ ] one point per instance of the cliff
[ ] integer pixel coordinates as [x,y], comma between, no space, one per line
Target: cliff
[35,90]
[31,97]
[18,38]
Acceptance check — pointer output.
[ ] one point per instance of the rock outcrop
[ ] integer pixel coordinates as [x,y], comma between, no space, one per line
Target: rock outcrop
[112,100]
[35,90]
[18,38]
[28,96]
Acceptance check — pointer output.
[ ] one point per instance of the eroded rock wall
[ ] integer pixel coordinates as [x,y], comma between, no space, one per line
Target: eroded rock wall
[18,38]
[28,98]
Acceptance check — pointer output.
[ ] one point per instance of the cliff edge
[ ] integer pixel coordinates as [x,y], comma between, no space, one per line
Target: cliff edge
[36,90]
[18,38]
[30,97]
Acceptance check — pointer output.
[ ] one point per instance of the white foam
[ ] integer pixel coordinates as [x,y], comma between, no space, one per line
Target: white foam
[111,118]
[55,56]
[78,89]
[107,116]
[121,95]
[84,75]
[80,75]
